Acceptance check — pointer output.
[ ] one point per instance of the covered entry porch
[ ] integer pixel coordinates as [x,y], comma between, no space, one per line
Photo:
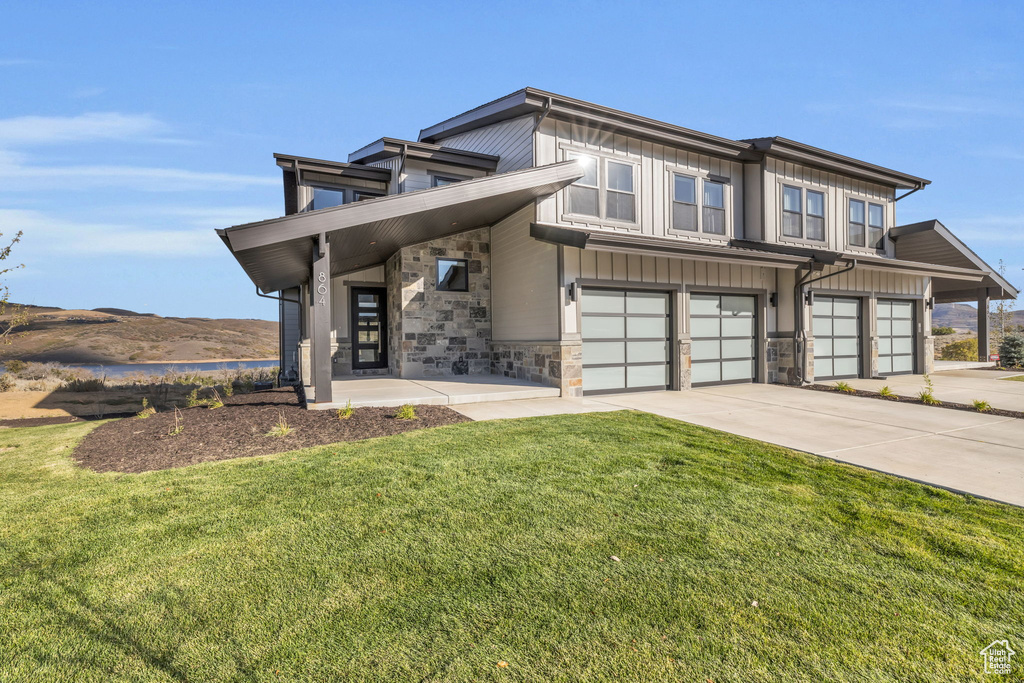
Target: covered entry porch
[365,391]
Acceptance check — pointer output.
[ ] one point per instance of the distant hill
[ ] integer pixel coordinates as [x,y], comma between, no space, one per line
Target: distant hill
[116,335]
[964,316]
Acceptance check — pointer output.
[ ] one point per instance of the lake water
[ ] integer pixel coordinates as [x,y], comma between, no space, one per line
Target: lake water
[120,370]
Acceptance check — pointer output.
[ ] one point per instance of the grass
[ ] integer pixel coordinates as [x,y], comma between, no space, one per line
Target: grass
[1015,378]
[437,554]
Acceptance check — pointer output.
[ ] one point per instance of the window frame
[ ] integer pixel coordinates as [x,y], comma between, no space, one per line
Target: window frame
[803,188]
[881,240]
[849,221]
[699,177]
[568,152]
[452,178]
[312,195]
[437,273]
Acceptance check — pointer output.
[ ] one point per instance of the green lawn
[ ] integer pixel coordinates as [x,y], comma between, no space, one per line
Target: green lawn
[1015,378]
[436,554]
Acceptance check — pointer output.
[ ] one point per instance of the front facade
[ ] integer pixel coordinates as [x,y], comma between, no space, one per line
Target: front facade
[568,244]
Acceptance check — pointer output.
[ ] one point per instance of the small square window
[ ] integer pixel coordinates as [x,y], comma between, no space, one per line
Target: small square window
[452,275]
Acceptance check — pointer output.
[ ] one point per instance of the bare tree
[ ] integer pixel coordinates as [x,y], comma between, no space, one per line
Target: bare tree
[1001,319]
[12,316]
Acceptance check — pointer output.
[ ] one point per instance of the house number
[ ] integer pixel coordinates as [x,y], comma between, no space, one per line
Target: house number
[322,289]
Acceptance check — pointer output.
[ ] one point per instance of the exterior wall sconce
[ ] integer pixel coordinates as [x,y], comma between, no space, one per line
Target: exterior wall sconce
[809,297]
[574,292]
[929,303]
[773,299]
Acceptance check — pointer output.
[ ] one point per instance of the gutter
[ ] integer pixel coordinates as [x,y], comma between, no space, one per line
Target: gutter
[800,333]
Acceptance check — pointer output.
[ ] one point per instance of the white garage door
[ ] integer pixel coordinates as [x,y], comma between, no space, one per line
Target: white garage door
[836,337]
[723,329]
[895,337]
[625,340]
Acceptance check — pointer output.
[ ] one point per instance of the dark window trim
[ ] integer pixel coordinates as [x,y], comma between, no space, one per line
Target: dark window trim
[382,293]
[437,280]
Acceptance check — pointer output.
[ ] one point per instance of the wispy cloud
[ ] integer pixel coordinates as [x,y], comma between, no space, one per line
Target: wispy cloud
[9,61]
[45,130]
[18,176]
[86,92]
[942,105]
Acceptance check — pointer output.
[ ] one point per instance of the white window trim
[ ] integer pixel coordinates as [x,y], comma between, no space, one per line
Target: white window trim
[803,239]
[672,170]
[602,189]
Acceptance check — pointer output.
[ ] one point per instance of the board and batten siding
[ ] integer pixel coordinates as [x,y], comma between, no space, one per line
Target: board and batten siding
[654,183]
[524,287]
[837,189]
[311,180]
[340,297]
[417,174]
[290,320]
[510,140]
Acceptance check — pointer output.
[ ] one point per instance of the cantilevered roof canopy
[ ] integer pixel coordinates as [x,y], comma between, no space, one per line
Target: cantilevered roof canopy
[932,242]
[277,253]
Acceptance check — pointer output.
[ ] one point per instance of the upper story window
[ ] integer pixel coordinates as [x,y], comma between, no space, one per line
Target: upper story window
[442,180]
[325,197]
[876,226]
[606,190]
[358,196]
[685,207]
[803,213]
[856,224]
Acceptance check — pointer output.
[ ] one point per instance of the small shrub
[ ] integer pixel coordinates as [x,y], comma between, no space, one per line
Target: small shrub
[229,388]
[83,384]
[965,349]
[981,406]
[6,382]
[1011,351]
[15,366]
[406,412]
[179,426]
[943,330]
[281,428]
[193,399]
[147,410]
[844,387]
[346,412]
[926,397]
[214,402]
[886,392]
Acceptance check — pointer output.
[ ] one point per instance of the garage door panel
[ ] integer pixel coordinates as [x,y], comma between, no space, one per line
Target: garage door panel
[903,364]
[603,301]
[604,327]
[896,336]
[845,347]
[845,327]
[705,304]
[647,328]
[902,328]
[845,308]
[638,376]
[596,353]
[646,351]
[706,348]
[837,337]
[845,367]
[822,326]
[701,373]
[735,370]
[625,340]
[739,305]
[651,303]
[737,348]
[723,329]
[600,379]
[705,327]
[737,327]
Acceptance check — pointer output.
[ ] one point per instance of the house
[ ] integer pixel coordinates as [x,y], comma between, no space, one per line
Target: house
[593,250]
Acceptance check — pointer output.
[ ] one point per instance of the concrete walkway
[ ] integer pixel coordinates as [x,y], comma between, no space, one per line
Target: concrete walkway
[968,452]
[956,386]
[439,391]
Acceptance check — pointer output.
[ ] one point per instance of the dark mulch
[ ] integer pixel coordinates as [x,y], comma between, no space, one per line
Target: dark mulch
[39,421]
[911,399]
[239,429]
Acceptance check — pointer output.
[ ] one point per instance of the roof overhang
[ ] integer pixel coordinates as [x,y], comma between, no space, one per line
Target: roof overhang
[932,242]
[532,101]
[277,253]
[338,168]
[385,148]
[798,152]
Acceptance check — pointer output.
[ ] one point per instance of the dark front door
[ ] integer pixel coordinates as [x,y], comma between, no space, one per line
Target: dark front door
[369,328]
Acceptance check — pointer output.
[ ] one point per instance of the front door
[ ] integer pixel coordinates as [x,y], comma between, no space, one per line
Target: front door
[369,324]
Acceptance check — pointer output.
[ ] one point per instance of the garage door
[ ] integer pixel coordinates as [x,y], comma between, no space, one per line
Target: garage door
[895,337]
[625,340]
[723,329]
[836,337]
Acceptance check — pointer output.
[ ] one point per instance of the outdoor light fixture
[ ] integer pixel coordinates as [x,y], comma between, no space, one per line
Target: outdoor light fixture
[773,299]
[809,297]
[930,303]
[574,292]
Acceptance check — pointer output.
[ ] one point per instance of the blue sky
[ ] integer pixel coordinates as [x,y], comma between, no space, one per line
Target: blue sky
[129,131]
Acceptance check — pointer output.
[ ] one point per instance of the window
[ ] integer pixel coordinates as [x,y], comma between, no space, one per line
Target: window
[452,275]
[792,212]
[361,196]
[876,226]
[714,208]
[441,180]
[606,190]
[620,200]
[684,203]
[583,194]
[803,209]
[856,224]
[815,216]
[324,197]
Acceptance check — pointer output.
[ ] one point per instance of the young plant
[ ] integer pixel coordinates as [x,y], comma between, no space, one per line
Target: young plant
[281,428]
[214,402]
[229,388]
[193,399]
[406,412]
[886,392]
[346,412]
[147,410]
[178,427]
[981,406]
[844,387]
[927,395]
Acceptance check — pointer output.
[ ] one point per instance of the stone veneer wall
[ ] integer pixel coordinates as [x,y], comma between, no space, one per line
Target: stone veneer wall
[684,365]
[929,354]
[434,333]
[550,363]
[781,361]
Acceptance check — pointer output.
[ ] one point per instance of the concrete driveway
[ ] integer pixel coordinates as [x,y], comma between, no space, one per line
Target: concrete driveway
[968,452]
[957,386]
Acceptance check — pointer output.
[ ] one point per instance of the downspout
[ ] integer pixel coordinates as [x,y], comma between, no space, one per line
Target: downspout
[800,333]
[543,115]
[401,168]
[275,298]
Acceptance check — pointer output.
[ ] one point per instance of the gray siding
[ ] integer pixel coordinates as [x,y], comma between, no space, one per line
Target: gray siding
[523,282]
[511,140]
[417,174]
[290,321]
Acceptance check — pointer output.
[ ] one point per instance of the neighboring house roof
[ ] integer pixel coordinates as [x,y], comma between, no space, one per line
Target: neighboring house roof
[288,161]
[932,242]
[276,253]
[386,148]
[533,101]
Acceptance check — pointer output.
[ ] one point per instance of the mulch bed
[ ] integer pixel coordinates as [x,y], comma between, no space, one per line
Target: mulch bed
[911,399]
[237,430]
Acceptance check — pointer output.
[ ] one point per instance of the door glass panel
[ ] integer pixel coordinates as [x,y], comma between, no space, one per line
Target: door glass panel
[884,309]
[368,356]
[902,327]
[647,327]
[647,302]
[604,327]
[737,348]
[845,307]
[738,305]
[903,345]
[604,378]
[596,353]
[822,367]
[844,347]
[884,365]
[706,372]
[704,304]
[822,306]
[846,327]
[846,366]
[737,327]
[705,327]
[705,350]
[603,301]
[885,346]
[646,376]
[902,309]
[884,328]
[902,363]
[822,346]
[823,327]
[646,352]
[737,369]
